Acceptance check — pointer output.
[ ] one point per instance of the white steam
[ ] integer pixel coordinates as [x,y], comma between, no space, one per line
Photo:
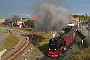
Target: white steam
[51,17]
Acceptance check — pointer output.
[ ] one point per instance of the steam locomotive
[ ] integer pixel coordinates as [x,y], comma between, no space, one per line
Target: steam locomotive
[60,43]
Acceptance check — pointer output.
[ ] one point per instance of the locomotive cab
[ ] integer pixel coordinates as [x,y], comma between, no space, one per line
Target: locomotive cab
[61,43]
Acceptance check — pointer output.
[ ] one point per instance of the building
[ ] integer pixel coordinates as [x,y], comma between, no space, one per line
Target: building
[25,19]
[19,23]
[34,18]
[75,21]
[2,20]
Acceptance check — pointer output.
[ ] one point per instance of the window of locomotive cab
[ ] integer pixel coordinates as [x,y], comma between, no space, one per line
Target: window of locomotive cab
[64,43]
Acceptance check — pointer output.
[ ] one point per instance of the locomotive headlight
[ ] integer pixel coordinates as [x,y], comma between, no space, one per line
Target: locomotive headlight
[64,48]
[55,49]
[49,48]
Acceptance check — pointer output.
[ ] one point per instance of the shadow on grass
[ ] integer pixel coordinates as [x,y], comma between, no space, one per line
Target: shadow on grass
[43,49]
[40,42]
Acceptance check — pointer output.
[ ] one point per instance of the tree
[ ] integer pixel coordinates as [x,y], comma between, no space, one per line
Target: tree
[15,17]
[7,21]
[75,16]
[30,23]
[86,17]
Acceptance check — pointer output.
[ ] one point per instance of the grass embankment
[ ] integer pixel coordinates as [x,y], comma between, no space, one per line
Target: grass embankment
[81,55]
[43,44]
[11,40]
[3,31]
[84,54]
[2,25]
[44,41]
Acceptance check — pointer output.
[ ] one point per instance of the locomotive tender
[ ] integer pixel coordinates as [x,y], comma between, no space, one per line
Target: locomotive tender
[60,43]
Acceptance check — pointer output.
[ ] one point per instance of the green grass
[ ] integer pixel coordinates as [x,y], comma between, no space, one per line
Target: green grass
[81,55]
[84,54]
[44,40]
[9,42]
[2,25]
[4,31]
[43,44]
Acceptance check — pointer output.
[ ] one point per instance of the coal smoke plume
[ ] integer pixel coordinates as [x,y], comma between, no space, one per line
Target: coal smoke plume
[50,17]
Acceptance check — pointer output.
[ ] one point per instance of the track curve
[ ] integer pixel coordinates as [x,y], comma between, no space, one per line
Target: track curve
[19,51]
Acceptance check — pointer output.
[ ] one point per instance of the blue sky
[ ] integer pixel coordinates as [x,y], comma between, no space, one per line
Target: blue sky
[24,7]
[79,6]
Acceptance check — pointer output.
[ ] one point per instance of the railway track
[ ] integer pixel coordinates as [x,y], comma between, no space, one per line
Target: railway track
[18,51]
[49,58]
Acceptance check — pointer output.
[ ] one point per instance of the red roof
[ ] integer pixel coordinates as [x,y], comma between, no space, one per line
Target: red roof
[34,18]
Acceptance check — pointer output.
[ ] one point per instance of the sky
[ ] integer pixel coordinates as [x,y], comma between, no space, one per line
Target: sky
[11,7]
